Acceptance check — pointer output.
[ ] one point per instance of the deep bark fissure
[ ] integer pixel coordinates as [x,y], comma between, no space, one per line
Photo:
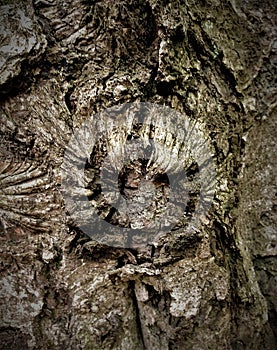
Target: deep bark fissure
[138,317]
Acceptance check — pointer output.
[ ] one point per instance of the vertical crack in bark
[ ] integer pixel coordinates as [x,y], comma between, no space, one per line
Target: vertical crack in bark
[138,318]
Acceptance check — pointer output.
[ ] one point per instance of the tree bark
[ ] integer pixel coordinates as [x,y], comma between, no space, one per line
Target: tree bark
[63,61]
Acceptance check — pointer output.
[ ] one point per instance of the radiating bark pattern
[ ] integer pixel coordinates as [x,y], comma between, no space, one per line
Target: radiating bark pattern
[61,62]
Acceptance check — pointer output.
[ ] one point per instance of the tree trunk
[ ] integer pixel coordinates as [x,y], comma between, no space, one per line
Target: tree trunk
[65,61]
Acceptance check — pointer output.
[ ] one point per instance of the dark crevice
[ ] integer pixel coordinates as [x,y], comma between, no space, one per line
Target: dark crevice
[150,89]
[219,240]
[204,49]
[17,84]
[152,251]
[272,318]
[198,47]
[178,36]
[86,248]
[138,319]
[12,338]
[230,79]
[165,88]
[68,102]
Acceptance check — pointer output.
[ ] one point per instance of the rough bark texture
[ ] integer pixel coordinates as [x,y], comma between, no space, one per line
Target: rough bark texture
[61,61]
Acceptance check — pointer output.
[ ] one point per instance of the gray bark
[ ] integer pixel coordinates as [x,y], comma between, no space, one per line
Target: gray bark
[62,61]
